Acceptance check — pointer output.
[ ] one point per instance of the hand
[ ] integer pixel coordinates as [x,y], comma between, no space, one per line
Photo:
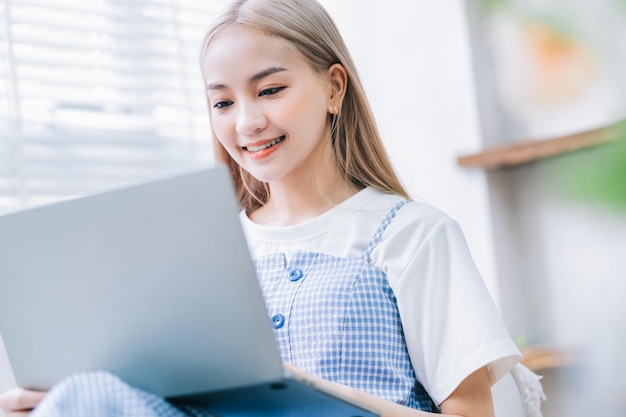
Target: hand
[19,402]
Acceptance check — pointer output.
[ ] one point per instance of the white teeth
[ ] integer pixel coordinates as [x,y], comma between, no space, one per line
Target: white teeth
[265,145]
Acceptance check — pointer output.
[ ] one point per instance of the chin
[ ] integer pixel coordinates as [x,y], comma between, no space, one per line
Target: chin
[263,175]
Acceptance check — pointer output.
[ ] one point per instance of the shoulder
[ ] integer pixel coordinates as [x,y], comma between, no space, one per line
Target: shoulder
[419,241]
[400,222]
[418,223]
[377,206]
[420,220]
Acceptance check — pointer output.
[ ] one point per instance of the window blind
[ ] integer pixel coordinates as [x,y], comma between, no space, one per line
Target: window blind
[95,93]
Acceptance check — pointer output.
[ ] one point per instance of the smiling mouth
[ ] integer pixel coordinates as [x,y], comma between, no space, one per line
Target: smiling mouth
[266,145]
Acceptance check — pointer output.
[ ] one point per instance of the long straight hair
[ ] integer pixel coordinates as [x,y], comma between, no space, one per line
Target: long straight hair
[359,154]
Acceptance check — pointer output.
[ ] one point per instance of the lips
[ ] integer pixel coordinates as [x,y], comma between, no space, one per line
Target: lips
[261,146]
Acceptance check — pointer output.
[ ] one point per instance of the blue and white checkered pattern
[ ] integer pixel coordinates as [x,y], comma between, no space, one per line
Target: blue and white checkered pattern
[101,394]
[341,322]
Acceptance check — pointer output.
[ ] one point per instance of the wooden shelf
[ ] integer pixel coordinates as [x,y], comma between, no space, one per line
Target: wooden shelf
[543,357]
[532,150]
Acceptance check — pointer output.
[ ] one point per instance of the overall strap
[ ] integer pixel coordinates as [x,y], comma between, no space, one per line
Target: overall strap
[381,229]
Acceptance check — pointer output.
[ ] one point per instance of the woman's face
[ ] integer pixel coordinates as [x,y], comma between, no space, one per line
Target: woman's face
[268,108]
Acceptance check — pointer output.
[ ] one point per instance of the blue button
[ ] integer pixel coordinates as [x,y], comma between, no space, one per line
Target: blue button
[295,274]
[278,321]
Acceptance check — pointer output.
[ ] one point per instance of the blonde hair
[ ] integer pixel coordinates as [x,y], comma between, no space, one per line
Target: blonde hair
[357,147]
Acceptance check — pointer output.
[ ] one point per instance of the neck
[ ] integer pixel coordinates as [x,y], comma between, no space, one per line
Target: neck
[293,203]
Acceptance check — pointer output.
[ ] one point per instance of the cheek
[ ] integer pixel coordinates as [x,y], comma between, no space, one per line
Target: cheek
[220,125]
[306,111]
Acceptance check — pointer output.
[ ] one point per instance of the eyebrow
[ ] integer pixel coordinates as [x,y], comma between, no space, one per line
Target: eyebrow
[256,77]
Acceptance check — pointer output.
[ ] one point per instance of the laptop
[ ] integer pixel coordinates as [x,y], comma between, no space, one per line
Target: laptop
[154,283]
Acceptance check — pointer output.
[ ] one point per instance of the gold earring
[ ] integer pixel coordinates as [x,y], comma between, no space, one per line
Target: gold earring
[334,109]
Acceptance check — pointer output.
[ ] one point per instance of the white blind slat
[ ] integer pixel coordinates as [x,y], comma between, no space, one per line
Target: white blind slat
[98,92]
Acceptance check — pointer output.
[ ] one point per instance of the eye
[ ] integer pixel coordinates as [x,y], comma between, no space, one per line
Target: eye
[271,91]
[222,104]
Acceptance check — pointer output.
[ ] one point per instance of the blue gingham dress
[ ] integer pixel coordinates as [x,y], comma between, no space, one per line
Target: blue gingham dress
[337,318]
[333,317]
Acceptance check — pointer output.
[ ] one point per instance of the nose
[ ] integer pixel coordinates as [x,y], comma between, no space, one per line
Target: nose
[250,119]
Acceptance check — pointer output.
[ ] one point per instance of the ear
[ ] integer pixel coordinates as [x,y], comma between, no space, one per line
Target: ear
[338,78]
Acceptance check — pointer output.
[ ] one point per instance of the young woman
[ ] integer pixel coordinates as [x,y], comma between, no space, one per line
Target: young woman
[375,294]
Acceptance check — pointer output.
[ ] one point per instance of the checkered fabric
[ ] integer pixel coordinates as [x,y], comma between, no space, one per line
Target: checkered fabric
[100,394]
[337,318]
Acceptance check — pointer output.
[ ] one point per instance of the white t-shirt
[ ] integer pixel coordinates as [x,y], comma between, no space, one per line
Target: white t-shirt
[450,323]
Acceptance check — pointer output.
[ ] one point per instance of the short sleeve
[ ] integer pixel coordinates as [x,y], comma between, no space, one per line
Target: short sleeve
[451,325]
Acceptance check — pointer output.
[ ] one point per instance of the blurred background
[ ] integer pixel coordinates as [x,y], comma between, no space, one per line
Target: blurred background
[504,113]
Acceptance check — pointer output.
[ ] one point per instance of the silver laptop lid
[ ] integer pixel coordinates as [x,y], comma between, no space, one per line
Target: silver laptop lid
[153,282]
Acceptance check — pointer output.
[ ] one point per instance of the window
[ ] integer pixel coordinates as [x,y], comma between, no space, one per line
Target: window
[95,93]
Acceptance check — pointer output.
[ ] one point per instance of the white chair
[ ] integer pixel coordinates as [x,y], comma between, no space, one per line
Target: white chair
[518,394]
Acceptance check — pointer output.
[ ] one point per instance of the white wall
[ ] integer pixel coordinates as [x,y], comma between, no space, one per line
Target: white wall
[415,62]
[562,266]
[560,259]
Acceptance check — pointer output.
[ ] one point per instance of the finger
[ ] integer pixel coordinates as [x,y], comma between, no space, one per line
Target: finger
[19,399]
[17,414]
